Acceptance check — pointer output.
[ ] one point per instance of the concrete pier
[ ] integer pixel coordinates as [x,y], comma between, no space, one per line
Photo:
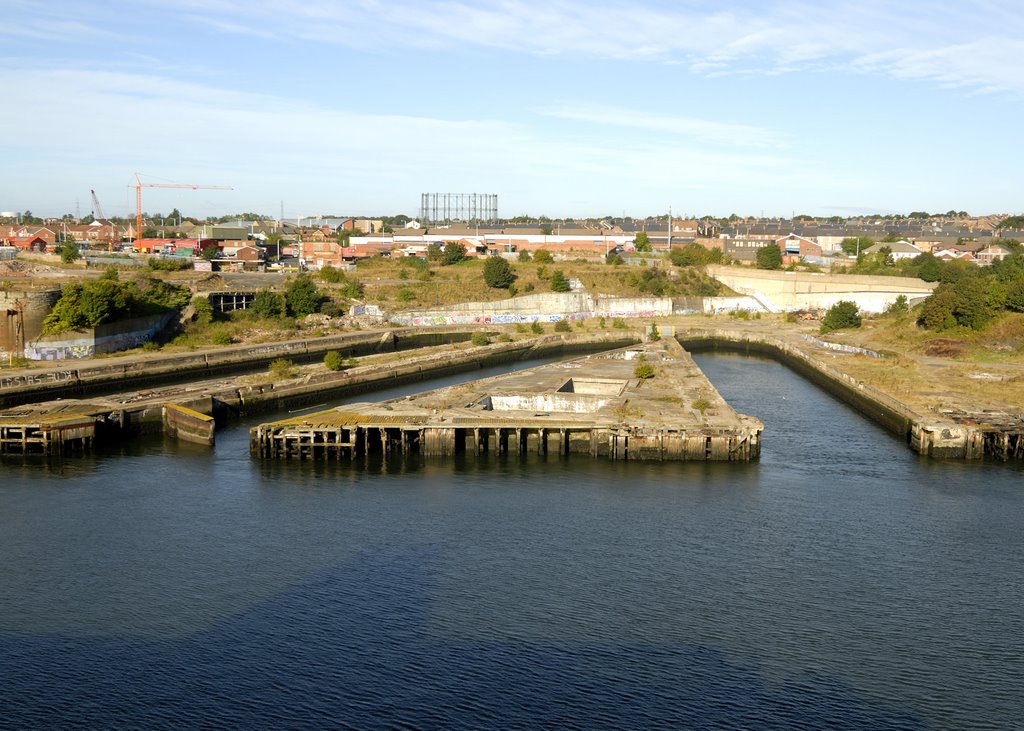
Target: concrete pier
[603,405]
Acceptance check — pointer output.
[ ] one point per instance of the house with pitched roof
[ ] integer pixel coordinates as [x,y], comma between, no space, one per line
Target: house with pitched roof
[899,250]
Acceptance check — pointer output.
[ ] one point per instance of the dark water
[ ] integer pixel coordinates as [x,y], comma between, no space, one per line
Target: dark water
[842,582]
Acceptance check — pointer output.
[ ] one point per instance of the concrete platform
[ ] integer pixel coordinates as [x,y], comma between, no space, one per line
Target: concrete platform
[597,405]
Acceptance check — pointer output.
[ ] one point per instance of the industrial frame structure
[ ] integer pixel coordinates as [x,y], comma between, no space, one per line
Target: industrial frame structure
[466,207]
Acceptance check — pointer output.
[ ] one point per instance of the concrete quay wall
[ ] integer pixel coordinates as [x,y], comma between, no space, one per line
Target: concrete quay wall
[120,374]
[931,437]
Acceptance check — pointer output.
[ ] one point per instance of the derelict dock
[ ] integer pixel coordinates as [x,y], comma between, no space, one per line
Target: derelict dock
[599,405]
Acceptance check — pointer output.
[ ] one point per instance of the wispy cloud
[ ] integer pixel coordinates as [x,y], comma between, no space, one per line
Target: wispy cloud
[949,44]
[689,129]
[361,158]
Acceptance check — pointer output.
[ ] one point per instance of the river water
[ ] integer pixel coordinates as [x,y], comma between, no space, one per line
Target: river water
[841,582]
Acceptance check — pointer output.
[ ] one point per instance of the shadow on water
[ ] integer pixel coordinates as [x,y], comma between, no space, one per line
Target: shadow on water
[362,645]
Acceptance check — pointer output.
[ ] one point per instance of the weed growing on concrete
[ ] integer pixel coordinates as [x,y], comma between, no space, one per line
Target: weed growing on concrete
[333,360]
[281,368]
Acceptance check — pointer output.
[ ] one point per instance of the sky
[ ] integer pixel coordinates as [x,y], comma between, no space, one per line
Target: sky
[579,108]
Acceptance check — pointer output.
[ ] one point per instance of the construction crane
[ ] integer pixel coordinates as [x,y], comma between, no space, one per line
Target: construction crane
[139,185]
[97,215]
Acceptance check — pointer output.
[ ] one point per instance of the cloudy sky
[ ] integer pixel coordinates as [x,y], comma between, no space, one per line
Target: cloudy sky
[561,107]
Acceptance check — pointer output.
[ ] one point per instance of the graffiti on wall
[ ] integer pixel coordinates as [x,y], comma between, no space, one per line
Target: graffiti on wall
[36,379]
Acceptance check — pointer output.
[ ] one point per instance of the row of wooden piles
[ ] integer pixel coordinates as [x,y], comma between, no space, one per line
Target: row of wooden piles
[341,443]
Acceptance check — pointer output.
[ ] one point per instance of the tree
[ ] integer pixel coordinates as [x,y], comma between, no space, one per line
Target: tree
[546,229]
[1015,296]
[69,250]
[642,243]
[453,253]
[769,257]
[435,252]
[898,306]
[209,252]
[559,283]
[498,273]
[274,240]
[614,258]
[929,267]
[853,245]
[524,255]
[267,305]
[302,296]
[884,259]
[843,314]
[937,310]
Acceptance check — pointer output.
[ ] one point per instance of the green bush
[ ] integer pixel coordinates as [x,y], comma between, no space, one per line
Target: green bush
[331,275]
[302,297]
[563,326]
[541,256]
[281,368]
[221,337]
[536,328]
[69,251]
[841,315]
[769,257]
[453,253]
[558,282]
[480,338]
[643,371]
[618,323]
[333,360]
[203,308]
[899,306]
[267,305]
[498,273]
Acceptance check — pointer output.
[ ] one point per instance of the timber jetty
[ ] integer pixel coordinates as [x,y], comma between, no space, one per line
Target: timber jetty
[648,401]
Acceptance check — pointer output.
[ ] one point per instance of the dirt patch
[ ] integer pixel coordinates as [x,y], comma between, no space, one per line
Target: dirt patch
[944,348]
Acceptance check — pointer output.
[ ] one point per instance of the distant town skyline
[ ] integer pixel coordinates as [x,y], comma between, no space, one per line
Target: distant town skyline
[573,108]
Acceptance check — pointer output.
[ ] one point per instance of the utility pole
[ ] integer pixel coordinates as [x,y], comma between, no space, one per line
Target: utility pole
[669,229]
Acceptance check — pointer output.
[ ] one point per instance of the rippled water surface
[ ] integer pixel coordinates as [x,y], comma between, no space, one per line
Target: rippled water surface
[841,582]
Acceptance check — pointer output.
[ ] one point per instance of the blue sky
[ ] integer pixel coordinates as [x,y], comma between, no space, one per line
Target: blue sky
[561,107]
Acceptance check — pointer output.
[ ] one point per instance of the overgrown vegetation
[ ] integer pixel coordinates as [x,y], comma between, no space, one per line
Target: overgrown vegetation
[972,297]
[643,370]
[99,301]
[281,368]
[693,255]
